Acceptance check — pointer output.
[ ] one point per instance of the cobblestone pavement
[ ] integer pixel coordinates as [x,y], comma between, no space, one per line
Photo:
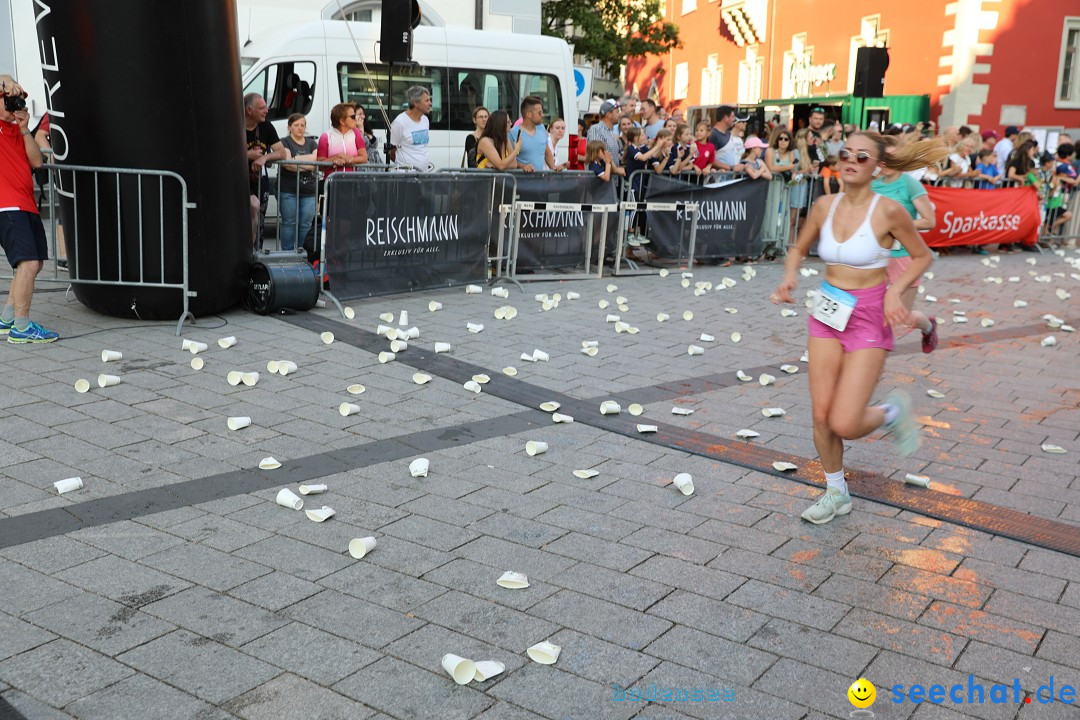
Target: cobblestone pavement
[172,586]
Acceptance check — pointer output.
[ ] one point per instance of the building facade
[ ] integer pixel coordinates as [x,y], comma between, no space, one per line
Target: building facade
[982,63]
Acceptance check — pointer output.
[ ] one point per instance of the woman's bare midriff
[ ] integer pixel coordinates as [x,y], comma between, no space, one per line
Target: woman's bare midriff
[849,278]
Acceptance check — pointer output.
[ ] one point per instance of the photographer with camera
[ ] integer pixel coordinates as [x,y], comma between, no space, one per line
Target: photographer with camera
[22,233]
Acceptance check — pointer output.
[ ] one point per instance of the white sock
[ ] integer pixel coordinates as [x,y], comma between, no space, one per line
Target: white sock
[924,325]
[836,480]
[891,412]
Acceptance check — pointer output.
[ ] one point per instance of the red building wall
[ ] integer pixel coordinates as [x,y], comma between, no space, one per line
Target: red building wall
[1023,66]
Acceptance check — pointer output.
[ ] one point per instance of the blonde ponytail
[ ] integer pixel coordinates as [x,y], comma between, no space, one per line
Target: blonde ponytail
[919,154]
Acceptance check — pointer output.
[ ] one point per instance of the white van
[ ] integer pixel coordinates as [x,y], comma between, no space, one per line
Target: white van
[309,68]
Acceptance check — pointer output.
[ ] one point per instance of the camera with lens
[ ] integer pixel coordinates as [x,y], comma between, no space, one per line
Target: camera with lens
[14,103]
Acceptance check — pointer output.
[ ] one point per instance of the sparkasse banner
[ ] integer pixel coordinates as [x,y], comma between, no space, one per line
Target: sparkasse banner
[983,217]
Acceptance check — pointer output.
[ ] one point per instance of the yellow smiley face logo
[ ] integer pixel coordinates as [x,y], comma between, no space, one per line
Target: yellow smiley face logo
[862,693]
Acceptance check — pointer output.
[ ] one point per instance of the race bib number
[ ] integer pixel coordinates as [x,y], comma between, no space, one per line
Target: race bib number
[833,306]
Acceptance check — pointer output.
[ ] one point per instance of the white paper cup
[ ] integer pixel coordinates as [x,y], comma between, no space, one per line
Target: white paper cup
[386,317]
[590,351]
[327,337]
[442,347]
[410,334]
[419,467]
[250,378]
[111,355]
[482,378]
[434,306]
[107,380]
[550,406]
[685,283]
[662,317]
[610,407]
[513,580]
[684,482]
[403,318]
[536,447]
[320,514]
[646,428]
[285,367]
[681,411]
[500,292]
[65,486]
[612,319]
[473,289]
[540,355]
[385,357]
[399,346]
[560,418]
[603,304]
[547,305]
[706,338]
[545,653]
[784,466]
[197,347]
[790,369]
[510,371]
[82,385]
[635,409]
[287,498]
[664,272]
[360,547]
[349,313]
[766,379]
[487,669]
[920,480]
[695,350]
[474,327]
[272,366]
[238,422]
[573,295]
[688,316]
[773,412]
[317,489]
[421,378]
[461,669]
[347,409]
[270,463]
[620,326]
[197,363]
[386,331]
[586,474]
[736,337]
[590,343]
[500,313]
[473,386]
[235,377]
[226,342]
[185,344]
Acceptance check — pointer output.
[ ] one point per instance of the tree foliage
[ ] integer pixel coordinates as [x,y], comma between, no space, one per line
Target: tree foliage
[611,31]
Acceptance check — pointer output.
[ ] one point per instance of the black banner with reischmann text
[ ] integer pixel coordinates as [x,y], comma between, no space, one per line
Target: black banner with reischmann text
[730,218]
[396,232]
[556,239]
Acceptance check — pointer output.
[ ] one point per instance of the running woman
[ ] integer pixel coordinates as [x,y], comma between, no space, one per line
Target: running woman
[849,327]
[910,193]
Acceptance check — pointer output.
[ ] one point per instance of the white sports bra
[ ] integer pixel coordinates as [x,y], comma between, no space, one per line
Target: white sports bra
[861,251]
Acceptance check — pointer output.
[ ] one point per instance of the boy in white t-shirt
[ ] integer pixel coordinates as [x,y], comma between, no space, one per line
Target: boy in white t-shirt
[409,132]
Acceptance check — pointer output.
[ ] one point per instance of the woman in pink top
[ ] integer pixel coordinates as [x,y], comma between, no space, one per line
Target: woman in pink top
[343,144]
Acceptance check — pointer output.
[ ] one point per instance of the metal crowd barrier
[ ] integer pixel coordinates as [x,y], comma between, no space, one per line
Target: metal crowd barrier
[109,180]
[589,212]
[501,257]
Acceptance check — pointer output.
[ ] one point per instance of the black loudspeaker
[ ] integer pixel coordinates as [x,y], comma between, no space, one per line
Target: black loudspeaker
[399,17]
[870,66]
[282,286]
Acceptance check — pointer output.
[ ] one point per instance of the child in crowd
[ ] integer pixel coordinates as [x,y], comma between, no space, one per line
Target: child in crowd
[753,165]
[1066,177]
[663,146]
[988,176]
[706,153]
[681,157]
[833,183]
[598,159]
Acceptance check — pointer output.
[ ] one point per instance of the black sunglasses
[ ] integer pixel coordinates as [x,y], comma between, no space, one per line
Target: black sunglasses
[861,157]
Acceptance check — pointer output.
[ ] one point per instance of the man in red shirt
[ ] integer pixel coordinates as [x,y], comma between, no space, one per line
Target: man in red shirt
[22,234]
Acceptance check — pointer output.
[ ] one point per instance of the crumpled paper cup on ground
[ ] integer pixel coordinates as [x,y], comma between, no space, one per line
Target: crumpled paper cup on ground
[513,580]
[487,669]
[270,463]
[238,422]
[288,499]
[461,669]
[360,547]
[318,489]
[684,482]
[419,467]
[545,653]
[68,485]
[320,514]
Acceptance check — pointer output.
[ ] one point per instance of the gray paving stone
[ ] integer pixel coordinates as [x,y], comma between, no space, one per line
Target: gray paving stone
[518,530]
[473,578]
[352,618]
[589,523]
[446,509]
[227,620]
[487,621]
[127,539]
[426,647]
[726,660]
[52,554]
[23,590]
[737,536]
[30,707]
[790,679]
[553,693]
[897,551]
[1004,666]
[645,514]
[17,636]
[1060,648]
[1052,564]
[500,553]
[1019,607]
[205,566]
[826,557]
[431,533]
[381,586]
[295,557]
[199,666]
[604,620]
[746,702]
[505,711]
[407,557]
[788,604]
[716,584]
[600,552]
[715,617]
[275,591]
[978,625]
[825,650]
[404,690]
[84,671]
[951,589]
[103,625]
[311,653]
[138,696]
[770,569]
[621,588]
[900,636]
[601,661]
[694,550]
[528,506]
[288,697]
[859,593]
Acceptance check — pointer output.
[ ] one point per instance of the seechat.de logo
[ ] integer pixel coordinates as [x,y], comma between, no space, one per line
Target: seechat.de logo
[862,694]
